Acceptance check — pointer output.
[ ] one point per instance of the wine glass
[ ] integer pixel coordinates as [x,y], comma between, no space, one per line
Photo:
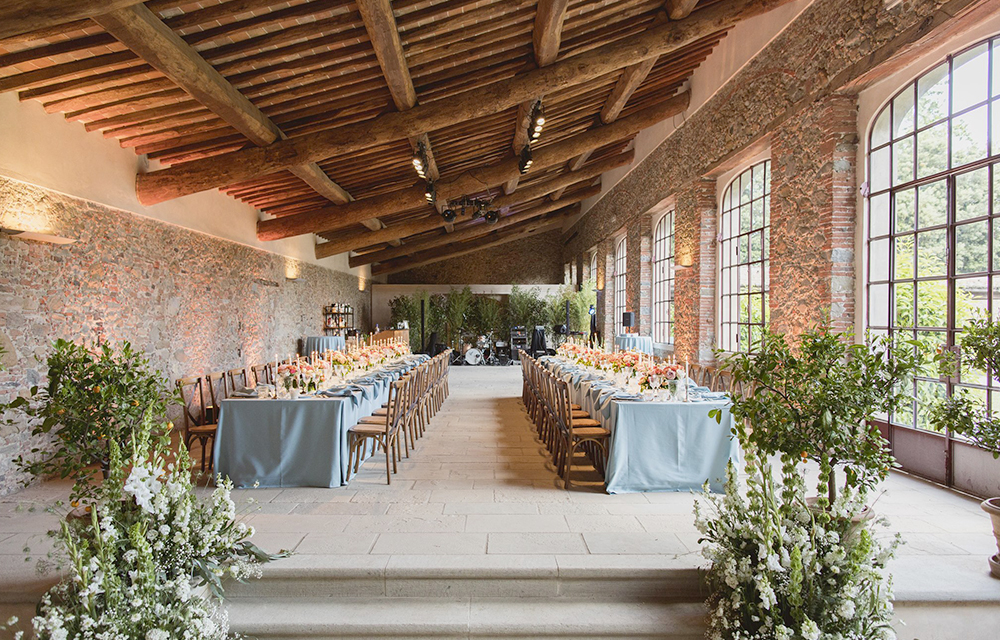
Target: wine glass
[654,383]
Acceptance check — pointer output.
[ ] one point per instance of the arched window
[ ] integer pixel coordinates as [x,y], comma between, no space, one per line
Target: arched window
[663,279]
[933,233]
[593,267]
[619,286]
[743,258]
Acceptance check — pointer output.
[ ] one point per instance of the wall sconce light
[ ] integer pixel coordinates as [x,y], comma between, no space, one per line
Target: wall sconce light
[37,237]
[684,261]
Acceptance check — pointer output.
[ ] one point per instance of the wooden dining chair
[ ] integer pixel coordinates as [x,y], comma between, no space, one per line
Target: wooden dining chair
[579,431]
[198,424]
[237,379]
[262,373]
[383,430]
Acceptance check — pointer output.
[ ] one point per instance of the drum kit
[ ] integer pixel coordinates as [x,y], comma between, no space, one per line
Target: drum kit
[485,351]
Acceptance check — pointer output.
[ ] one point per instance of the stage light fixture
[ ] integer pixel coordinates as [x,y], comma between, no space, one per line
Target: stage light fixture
[491,216]
[449,215]
[430,193]
[524,162]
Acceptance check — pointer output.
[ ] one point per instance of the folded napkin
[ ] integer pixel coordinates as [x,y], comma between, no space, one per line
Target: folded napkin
[249,393]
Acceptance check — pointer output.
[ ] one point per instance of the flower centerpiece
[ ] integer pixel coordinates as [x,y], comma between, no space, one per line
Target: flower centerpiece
[653,376]
[289,379]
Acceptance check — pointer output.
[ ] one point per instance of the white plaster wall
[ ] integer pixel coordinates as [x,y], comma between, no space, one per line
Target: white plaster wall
[48,151]
[870,103]
[742,43]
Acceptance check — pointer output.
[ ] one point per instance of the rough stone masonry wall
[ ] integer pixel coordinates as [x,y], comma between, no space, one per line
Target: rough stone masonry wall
[534,260]
[785,90]
[193,302]
[813,207]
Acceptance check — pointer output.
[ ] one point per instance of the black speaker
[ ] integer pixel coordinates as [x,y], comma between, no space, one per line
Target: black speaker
[628,319]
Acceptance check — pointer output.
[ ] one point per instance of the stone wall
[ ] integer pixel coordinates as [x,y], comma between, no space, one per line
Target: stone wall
[534,260]
[194,302]
[813,204]
[787,98]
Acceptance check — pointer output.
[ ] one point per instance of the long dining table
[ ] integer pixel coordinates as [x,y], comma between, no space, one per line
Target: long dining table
[655,445]
[302,442]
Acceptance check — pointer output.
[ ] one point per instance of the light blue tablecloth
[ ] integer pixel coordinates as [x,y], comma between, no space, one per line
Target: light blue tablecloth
[295,443]
[630,342]
[321,344]
[655,446]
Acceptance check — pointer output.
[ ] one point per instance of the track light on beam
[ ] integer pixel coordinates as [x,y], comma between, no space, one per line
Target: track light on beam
[492,216]
[536,121]
[524,162]
[420,161]
[449,215]
[430,193]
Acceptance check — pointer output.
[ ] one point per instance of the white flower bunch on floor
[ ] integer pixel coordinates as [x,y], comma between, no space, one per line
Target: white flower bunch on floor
[139,558]
[782,569]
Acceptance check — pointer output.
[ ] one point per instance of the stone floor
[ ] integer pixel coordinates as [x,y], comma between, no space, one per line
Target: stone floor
[480,484]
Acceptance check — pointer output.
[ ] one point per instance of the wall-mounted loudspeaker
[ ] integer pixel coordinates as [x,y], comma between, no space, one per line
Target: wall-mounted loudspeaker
[628,319]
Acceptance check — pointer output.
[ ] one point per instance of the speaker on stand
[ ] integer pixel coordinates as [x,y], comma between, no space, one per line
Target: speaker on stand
[628,320]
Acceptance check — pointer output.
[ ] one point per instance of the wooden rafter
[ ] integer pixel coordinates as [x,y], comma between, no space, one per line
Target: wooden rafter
[546,37]
[463,105]
[468,232]
[147,36]
[680,9]
[631,79]
[25,16]
[436,255]
[380,23]
[331,218]
[353,240]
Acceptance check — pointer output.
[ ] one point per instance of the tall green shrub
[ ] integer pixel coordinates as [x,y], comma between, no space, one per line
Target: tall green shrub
[458,307]
[92,398]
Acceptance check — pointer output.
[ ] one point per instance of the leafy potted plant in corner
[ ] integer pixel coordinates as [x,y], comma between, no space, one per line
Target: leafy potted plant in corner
[817,401]
[980,349]
[91,399]
[784,566]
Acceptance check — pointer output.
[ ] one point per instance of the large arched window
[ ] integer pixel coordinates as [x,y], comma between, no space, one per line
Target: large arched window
[743,258]
[620,267]
[663,279]
[933,236]
[593,267]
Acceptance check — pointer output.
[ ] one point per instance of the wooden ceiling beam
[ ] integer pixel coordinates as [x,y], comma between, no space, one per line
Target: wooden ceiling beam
[469,232]
[680,9]
[380,23]
[357,240]
[332,218]
[546,36]
[209,173]
[147,36]
[24,16]
[432,256]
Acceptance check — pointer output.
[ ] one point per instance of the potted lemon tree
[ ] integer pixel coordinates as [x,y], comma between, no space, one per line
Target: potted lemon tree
[966,416]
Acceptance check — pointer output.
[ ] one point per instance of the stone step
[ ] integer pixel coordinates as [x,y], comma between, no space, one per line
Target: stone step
[490,576]
[550,618]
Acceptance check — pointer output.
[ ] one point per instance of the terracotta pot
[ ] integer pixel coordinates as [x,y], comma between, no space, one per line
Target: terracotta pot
[992,507]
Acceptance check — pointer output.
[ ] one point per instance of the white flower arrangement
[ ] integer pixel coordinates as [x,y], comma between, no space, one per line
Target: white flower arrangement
[137,559]
[783,570]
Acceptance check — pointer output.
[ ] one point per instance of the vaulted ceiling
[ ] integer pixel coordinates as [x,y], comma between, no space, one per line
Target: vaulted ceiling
[311,110]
